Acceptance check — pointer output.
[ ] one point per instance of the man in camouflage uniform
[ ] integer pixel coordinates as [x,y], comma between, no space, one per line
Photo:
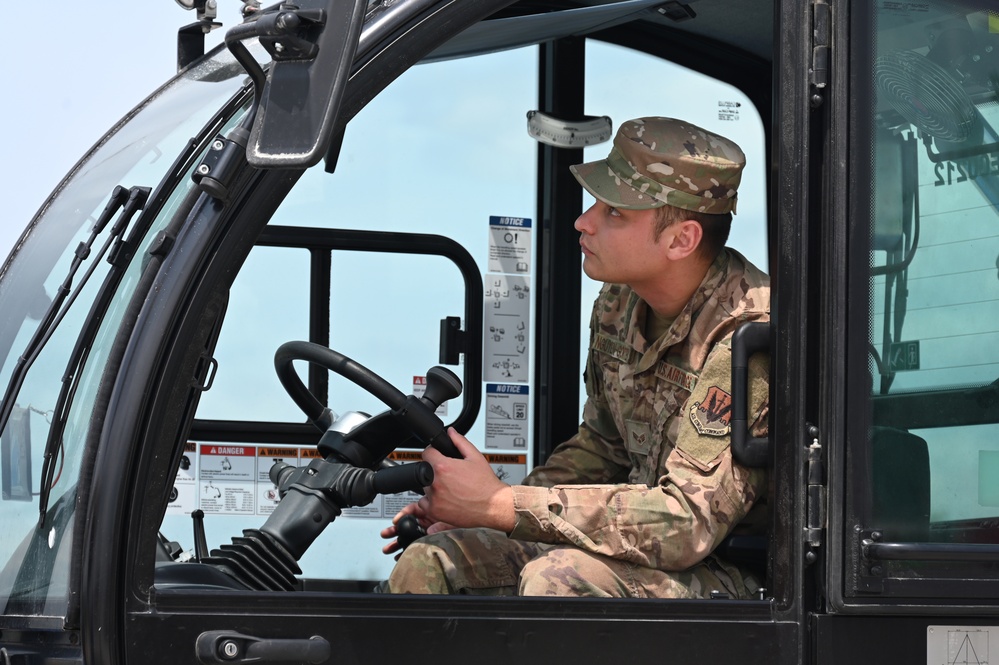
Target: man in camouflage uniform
[636,502]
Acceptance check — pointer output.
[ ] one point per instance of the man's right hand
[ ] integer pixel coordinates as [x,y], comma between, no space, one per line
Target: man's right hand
[414,510]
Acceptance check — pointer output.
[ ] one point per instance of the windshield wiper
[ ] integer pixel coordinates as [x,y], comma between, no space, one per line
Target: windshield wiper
[49,320]
[129,201]
[119,257]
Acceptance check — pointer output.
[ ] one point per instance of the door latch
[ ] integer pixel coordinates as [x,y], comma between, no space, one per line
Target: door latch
[220,647]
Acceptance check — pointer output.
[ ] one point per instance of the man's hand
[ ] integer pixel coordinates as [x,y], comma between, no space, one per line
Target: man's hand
[465,493]
[414,510]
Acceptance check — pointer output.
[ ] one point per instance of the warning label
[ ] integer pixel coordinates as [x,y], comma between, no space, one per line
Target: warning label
[227,479]
[511,469]
[267,492]
[184,495]
[234,479]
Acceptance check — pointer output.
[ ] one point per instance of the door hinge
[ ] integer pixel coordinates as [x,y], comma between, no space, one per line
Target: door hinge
[816,497]
[818,71]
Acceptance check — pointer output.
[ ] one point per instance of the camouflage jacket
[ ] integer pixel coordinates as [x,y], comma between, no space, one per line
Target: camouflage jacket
[656,423]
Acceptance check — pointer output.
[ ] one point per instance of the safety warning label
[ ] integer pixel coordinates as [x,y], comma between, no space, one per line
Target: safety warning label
[227,479]
[234,479]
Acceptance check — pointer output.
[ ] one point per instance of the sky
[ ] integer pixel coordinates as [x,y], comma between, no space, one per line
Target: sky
[87,69]
[70,80]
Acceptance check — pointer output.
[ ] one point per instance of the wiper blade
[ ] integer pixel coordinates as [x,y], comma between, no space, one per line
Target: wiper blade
[49,320]
[118,257]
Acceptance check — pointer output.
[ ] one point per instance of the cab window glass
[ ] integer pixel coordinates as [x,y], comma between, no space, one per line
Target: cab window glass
[268,305]
[441,152]
[441,167]
[395,318]
[930,469]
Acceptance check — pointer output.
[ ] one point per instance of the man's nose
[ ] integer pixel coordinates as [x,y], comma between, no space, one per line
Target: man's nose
[584,223]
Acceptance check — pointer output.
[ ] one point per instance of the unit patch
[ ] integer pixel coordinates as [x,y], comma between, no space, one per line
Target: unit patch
[713,415]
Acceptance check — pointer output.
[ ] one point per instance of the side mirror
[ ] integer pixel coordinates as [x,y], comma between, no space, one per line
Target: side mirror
[312,45]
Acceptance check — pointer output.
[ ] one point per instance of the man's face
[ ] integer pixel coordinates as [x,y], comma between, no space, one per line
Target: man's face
[618,245]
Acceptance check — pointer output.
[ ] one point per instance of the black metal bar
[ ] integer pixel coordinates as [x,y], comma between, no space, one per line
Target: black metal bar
[958,153]
[931,551]
[255,432]
[560,202]
[406,243]
[937,408]
[319,318]
[748,339]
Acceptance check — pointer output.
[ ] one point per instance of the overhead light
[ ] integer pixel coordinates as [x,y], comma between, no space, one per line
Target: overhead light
[675,11]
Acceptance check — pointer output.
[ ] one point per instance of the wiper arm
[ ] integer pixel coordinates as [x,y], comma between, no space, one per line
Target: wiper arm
[118,257]
[134,200]
[48,322]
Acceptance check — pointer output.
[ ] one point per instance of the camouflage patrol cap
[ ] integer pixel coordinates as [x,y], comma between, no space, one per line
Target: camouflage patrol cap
[664,161]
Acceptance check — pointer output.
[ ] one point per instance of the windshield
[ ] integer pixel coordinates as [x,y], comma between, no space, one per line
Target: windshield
[34,558]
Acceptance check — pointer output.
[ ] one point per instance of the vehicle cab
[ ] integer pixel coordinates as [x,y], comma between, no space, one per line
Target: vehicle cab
[233,327]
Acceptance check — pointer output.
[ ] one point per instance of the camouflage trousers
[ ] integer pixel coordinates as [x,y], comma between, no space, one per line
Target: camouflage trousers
[487,562]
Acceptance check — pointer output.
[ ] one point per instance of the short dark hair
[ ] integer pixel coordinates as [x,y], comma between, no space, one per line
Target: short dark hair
[716,227]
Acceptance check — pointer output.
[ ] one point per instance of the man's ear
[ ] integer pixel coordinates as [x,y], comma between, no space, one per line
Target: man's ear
[686,238]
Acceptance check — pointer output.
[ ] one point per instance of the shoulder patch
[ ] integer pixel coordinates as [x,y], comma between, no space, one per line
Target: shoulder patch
[713,415]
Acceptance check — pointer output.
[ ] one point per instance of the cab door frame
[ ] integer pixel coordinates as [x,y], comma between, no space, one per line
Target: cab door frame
[802,133]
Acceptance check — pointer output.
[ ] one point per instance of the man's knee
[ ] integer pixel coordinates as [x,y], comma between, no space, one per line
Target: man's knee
[423,567]
[570,571]
[478,561]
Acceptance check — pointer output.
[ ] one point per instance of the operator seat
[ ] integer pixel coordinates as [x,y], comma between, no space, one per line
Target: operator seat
[899,492]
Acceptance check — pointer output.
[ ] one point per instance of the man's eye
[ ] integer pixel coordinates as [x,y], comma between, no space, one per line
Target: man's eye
[614,212]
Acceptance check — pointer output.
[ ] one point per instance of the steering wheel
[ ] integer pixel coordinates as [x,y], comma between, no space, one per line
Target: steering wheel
[416,414]
[351,472]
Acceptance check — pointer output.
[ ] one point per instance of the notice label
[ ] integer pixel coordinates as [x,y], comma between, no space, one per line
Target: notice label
[228,462]
[904,356]
[507,328]
[510,245]
[507,407]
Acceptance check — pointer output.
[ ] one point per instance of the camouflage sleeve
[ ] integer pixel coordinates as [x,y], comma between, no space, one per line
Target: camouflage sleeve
[596,453]
[587,457]
[694,505]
